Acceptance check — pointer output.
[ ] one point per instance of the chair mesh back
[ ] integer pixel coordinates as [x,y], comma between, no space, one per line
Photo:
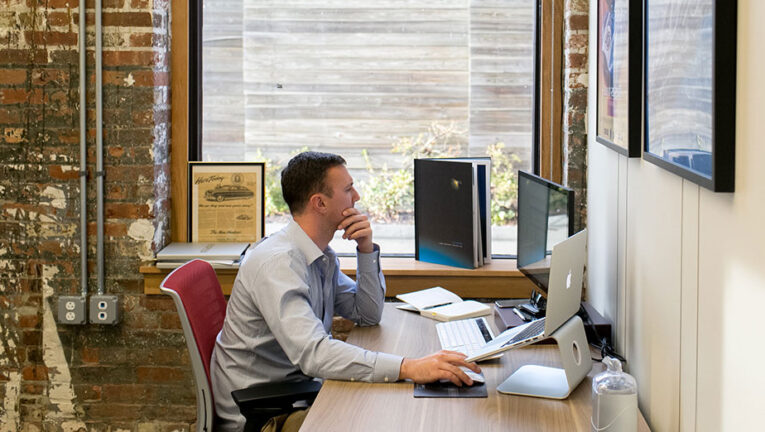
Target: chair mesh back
[203,302]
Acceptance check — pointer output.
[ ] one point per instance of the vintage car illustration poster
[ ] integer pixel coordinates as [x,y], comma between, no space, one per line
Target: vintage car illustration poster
[226,201]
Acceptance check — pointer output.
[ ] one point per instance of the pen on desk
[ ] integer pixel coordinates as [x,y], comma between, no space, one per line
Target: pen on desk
[438,305]
[520,314]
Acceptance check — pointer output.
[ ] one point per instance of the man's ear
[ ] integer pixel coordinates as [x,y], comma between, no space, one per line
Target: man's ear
[317,203]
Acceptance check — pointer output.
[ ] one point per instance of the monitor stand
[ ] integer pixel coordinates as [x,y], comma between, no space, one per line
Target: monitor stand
[550,382]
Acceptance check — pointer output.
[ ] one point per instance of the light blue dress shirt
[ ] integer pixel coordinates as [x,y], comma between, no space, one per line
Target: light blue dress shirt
[279,319]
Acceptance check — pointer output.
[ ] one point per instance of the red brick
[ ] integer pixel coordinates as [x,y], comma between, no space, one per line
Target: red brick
[51,38]
[147,78]
[577,60]
[110,229]
[90,355]
[125,393]
[57,172]
[141,39]
[158,303]
[35,373]
[170,320]
[47,76]
[127,19]
[34,389]
[139,4]
[53,246]
[59,19]
[106,4]
[16,56]
[31,337]
[112,77]
[116,151]
[53,4]
[579,22]
[12,76]
[29,321]
[10,116]
[126,211]
[14,96]
[88,392]
[151,374]
[128,58]
[143,118]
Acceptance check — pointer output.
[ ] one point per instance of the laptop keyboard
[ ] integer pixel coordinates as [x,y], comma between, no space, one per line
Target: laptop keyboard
[464,336]
[535,328]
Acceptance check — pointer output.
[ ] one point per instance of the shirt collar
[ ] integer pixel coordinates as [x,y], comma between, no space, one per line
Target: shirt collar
[304,243]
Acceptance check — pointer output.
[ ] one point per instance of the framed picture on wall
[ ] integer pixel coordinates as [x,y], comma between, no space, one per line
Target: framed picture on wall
[620,75]
[690,89]
[226,201]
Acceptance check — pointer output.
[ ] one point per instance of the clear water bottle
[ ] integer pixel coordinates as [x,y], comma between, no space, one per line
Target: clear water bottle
[614,399]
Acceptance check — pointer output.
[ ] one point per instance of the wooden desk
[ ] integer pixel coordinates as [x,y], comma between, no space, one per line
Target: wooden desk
[348,406]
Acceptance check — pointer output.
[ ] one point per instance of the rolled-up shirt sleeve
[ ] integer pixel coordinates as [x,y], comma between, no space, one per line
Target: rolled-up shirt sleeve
[287,311]
[362,301]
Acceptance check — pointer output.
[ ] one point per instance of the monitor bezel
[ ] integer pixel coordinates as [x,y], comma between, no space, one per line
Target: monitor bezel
[538,285]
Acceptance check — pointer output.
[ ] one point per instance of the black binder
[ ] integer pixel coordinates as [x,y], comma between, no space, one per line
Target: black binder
[452,222]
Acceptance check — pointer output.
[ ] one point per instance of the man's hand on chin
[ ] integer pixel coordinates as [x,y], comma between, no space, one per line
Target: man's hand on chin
[358,228]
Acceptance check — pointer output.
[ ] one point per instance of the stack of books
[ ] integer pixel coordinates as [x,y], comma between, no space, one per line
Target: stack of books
[452,211]
[220,255]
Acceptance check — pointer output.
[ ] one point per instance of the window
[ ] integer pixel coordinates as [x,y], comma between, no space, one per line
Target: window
[379,82]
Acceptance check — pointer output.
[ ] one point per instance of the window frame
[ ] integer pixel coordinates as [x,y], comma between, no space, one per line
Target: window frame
[186,99]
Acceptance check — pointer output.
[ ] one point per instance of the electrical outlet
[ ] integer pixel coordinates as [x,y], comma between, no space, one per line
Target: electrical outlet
[71,310]
[104,309]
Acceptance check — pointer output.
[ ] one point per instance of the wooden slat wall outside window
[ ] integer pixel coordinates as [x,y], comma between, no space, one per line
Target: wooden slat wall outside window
[550,135]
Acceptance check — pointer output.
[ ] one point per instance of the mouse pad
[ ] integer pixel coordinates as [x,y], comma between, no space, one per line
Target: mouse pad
[449,390]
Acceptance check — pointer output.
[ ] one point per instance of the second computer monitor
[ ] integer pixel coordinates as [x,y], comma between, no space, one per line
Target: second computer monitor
[545,218]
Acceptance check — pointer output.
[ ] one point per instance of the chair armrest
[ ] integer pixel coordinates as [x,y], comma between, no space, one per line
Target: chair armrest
[267,397]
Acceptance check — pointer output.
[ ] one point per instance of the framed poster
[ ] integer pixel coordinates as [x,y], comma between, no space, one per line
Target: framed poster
[690,89]
[226,201]
[620,82]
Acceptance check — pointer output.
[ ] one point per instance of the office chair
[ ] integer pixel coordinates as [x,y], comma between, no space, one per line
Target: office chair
[201,308]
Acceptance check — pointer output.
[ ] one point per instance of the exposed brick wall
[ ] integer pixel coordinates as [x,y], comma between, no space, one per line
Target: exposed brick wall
[55,377]
[575,39]
[136,375]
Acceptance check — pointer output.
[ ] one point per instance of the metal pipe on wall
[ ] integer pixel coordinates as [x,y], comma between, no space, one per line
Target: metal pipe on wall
[99,155]
[83,157]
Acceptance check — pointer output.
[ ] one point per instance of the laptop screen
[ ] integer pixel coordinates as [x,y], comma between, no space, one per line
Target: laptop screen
[545,218]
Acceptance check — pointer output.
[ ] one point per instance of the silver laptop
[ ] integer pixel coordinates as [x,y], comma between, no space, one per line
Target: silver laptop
[563,299]
[180,251]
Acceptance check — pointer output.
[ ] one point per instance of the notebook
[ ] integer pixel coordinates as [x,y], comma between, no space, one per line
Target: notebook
[442,305]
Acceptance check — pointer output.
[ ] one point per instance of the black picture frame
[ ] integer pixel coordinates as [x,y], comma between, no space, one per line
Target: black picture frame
[226,201]
[690,89]
[619,101]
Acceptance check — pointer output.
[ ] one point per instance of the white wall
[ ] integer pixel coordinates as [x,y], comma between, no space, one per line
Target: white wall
[681,270]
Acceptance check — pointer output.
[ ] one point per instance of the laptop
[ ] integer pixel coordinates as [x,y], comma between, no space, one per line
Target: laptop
[563,299]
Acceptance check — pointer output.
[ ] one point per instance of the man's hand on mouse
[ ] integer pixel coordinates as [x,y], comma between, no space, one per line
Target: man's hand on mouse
[443,365]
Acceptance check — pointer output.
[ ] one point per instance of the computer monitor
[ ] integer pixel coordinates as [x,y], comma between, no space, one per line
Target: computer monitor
[545,218]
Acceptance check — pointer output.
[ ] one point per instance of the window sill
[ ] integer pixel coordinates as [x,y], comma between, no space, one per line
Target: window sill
[500,279]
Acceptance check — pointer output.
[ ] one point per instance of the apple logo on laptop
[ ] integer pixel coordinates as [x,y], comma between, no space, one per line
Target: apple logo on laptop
[568,279]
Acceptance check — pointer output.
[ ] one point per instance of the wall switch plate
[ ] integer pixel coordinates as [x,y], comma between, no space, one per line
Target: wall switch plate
[71,310]
[104,309]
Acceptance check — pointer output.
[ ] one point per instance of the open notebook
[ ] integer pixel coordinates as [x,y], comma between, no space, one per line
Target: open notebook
[442,305]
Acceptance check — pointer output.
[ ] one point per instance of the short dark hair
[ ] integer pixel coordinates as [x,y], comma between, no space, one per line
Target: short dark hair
[305,175]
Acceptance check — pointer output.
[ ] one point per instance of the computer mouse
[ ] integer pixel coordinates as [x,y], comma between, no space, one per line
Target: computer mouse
[477,378]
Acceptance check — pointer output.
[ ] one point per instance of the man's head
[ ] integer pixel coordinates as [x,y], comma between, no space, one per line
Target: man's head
[306,175]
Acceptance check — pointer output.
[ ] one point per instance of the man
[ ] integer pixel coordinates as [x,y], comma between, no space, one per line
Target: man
[288,288]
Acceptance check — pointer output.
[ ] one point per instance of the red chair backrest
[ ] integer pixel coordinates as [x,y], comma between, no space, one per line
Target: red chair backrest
[203,303]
